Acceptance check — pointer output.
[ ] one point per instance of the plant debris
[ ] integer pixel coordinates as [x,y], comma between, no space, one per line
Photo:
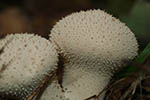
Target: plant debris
[135,85]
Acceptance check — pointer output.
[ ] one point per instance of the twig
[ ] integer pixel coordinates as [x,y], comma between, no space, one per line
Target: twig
[130,89]
[94,96]
[141,86]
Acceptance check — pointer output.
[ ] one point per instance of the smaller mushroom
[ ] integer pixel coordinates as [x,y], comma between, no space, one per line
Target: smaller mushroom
[25,61]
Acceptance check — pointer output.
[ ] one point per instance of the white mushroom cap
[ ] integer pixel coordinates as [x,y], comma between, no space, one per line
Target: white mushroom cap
[95,33]
[25,61]
[92,42]
[53,92]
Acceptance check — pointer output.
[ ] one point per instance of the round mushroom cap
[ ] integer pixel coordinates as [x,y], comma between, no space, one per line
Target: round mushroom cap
[92,42]
[26,60]
[94,37]
[94,33]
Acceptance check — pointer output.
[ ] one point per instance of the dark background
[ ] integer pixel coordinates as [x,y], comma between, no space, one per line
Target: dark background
[38,16]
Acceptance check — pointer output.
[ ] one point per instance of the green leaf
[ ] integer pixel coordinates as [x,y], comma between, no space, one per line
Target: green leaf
[144,55]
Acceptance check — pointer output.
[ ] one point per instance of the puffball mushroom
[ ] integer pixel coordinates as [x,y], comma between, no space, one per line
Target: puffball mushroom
[25,61]
[94,45]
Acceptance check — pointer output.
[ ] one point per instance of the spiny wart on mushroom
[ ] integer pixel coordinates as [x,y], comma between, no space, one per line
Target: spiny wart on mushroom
[24,63]
[95,45]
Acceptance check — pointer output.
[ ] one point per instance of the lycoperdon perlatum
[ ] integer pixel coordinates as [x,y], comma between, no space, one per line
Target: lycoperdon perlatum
[25,61]
[95,45]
